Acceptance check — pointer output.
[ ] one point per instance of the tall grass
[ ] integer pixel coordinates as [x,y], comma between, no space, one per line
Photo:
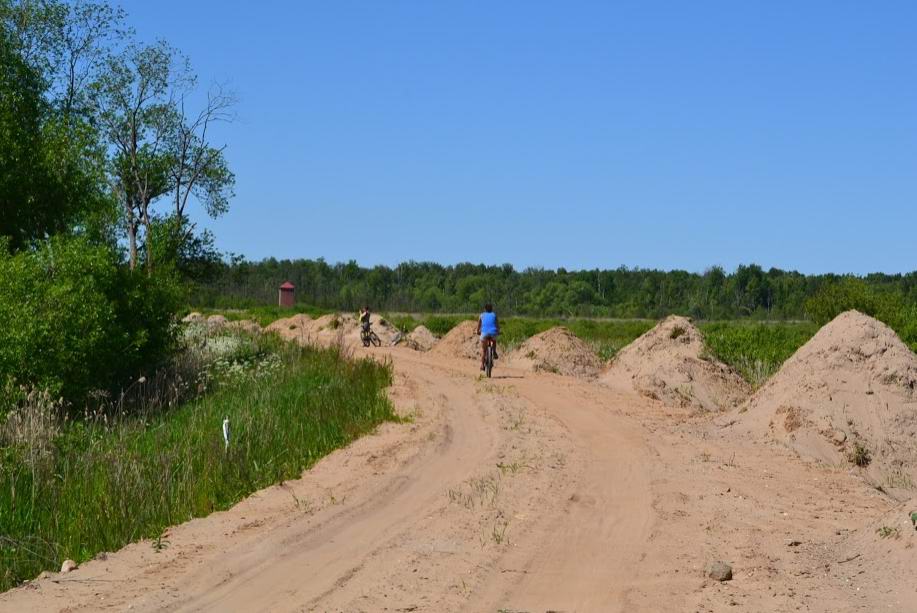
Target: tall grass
[71,489]
[756,350]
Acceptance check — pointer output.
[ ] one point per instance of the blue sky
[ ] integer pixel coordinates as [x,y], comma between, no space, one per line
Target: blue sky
[576,134]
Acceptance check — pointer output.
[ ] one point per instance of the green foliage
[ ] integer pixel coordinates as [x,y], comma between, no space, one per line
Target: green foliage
[75,321]
[72,489]
[49,170]
[440,325]
[888,305]
[756,350]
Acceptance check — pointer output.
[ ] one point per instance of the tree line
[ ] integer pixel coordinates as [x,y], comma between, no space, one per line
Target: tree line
[748,292]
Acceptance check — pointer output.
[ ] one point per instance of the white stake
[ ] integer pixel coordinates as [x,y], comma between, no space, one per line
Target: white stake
[226,433]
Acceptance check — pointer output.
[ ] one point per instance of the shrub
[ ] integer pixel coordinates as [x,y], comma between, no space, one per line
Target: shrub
[75,320]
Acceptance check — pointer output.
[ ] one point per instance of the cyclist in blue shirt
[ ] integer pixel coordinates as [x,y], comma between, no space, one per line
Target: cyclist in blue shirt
[489,329]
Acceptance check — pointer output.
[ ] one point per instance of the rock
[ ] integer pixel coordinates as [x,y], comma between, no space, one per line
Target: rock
[69,565]
[839,437]
[719,570]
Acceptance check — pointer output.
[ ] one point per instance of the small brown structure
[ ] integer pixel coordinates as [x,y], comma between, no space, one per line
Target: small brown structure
[286,298]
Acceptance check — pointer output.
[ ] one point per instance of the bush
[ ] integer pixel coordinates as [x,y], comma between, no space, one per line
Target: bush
[76,321]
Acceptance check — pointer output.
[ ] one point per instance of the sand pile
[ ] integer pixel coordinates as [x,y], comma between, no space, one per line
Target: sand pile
[887,542]
[849,393]
[558,351]
[192,317]
[217,321]
[669,363]
[421,339]
[291,328]
[332,329]
[245,325]
[460,342]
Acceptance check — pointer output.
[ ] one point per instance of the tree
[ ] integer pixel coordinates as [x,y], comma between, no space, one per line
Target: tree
[199,169]
[134,101]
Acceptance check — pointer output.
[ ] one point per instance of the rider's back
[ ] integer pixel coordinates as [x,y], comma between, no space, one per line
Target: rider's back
[488,324]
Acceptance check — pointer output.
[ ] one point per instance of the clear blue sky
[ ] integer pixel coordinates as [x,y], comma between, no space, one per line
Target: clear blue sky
[577,134]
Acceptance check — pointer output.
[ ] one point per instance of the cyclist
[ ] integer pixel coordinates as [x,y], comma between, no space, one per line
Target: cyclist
[489,329]
[364,319]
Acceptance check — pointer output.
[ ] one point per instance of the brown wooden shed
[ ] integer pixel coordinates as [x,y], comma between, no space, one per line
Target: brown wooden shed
[287,297]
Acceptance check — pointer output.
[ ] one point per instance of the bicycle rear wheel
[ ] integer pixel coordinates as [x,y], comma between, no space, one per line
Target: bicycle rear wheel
[375,340]
[489,362]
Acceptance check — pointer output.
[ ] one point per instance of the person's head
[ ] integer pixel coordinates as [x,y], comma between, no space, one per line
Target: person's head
[489,308]
[365,307]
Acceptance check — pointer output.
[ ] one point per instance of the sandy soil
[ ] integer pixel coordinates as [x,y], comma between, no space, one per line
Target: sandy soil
[558,351]
[670,363]
[853,385]
[526,492]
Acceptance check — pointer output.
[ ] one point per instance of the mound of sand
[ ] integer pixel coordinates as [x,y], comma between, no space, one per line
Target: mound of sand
[217,321]
[192,317]
[291,328]
[245,325]
[852,386]
[556,350]
[460,342]
[333,329]
[421,339]
[668,363]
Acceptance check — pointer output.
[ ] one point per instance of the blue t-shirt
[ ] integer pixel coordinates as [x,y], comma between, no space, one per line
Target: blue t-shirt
[488,324]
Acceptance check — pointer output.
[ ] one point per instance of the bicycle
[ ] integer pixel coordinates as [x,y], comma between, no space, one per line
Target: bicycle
[489,358]
[368,337]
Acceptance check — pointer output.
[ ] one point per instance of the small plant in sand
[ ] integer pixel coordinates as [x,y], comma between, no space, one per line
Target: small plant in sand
[677,332]
[860,455]
[888,532]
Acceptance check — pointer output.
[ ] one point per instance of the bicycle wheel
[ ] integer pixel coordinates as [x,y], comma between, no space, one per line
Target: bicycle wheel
[375,340]
[365,339]
[489,362]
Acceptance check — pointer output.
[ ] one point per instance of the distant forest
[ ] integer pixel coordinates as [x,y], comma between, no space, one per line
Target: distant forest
[748,292]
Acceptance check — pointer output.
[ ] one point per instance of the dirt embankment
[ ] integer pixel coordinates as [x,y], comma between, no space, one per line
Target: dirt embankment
[327,330]
[557,351]
[848,395]
[461,342]
[669,363]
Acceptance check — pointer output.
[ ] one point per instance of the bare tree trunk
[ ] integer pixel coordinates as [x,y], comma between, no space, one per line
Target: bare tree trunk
[132,237]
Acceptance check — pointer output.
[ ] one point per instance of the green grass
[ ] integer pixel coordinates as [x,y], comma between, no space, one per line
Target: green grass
[73,489]
[756,350]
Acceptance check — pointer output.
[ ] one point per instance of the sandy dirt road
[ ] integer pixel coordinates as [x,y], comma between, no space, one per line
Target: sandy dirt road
[520,493]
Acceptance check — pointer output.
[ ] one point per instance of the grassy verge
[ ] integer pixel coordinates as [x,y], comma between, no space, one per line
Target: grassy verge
[756,350]
[71,489]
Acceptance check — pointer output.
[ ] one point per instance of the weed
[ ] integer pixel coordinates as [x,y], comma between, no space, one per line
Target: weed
[888,531]
[160,543]
[860,455]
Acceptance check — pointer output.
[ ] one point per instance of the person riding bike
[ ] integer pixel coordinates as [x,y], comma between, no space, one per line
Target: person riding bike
[488,328]
[364,318]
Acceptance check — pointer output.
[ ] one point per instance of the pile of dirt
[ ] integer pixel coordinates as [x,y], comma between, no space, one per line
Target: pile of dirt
[886,542]
[193,317]
[291,328]
[460,342]
[848,395]
[217,321]
[245,325]
[336,328]
[558,351]
[669,363]
[421,339]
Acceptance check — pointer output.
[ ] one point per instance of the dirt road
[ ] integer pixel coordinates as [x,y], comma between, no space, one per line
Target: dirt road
[521,493]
